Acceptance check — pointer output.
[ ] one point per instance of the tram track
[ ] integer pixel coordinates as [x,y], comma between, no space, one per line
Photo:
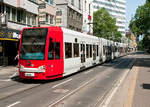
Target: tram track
[117,62]
[86,84]
[11,83]
[110,92]
[2,97]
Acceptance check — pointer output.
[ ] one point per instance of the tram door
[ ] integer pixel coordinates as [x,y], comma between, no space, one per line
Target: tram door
[55,61]
[82,52]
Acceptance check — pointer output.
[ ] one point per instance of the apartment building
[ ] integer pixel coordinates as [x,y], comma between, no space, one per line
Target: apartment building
[47,12]
[133,38]
[69,14]
[116,8]
[14,16]
[87,16]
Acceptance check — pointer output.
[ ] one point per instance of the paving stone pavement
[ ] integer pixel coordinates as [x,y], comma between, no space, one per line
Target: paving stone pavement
[135,90]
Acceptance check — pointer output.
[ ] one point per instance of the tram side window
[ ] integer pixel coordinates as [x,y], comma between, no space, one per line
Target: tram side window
[97,50]
[51,50]
[90,51]
[76,49]
[68,50]
[94,49]
[87,51]
[115,49]
[104,50]
[57,50]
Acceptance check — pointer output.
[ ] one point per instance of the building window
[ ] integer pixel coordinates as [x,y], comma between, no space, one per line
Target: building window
[24,17]
[8,12]
[51,19]
[72,2]
[51,2]
[46,18]
[85,5]
[89,9]
[47,0]
[34,20]
[19,16]
[58,13]
[79,4]
[28,19]
[35,1]
[58,20]
[1,8]
[13,14]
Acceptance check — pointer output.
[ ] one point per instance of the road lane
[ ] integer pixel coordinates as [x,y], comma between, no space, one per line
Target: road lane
[92,93]
[47,95]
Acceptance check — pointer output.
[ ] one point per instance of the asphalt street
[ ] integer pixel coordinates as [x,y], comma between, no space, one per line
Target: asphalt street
[87,88]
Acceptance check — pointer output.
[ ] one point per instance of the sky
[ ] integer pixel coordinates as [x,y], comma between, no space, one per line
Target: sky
[131,7]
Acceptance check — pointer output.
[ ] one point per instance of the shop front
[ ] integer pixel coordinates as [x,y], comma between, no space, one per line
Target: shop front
[9,46]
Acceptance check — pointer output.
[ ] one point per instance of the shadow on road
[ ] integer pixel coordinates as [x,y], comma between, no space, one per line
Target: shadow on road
[30,81]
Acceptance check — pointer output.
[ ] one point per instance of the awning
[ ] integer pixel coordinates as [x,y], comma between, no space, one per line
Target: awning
[9,39]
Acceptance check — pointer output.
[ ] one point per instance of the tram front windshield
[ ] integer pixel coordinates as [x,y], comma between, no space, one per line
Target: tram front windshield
[33,44]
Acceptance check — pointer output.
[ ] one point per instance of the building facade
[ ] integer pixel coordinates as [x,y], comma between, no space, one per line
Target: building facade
[69,14]
[116,8]
[47,12]
[87,16]
[132,38]
[14,16]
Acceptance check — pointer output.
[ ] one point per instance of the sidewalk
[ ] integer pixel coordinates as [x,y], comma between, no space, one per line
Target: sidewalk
[7,72]
[135,90]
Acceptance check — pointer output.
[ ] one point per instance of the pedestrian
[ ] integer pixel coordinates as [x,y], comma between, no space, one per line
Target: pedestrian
[17,58]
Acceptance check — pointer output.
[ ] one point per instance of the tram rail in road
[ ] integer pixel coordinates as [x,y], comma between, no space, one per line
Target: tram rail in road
[101,98]
[61,83]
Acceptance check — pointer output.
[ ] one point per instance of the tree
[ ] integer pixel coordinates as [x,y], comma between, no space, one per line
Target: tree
[140,23]
[140,45]
[104,25]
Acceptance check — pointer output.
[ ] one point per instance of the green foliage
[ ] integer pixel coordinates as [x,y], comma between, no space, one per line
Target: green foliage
[104,25]
[146,42]
[140,45]
[140,23]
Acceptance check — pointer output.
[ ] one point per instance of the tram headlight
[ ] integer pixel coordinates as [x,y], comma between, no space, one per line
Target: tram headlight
[41,68]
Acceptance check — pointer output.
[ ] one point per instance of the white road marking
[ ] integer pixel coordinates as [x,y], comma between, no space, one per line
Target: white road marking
[14,104]
[72,92]
[88,71]
[6,80]
[13,75]
[106,102]
[62,83]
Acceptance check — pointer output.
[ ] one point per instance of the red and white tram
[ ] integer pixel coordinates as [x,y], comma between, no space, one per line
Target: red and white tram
[54,52]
